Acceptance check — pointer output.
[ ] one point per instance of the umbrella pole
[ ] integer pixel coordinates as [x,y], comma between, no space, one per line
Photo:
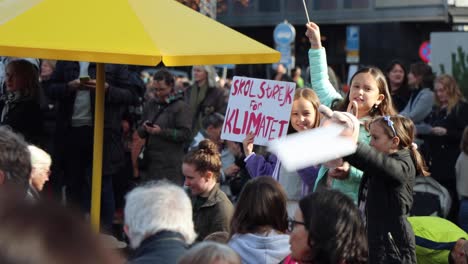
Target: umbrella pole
[97,148]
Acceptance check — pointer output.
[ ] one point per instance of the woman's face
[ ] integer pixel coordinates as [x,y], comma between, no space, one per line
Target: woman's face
[413,80]
[299,238]
[198,184]
[46,69]
[39,176]
[302,115]
[396,75]
[13,80]
[441,93]
[365,92]
[199,74]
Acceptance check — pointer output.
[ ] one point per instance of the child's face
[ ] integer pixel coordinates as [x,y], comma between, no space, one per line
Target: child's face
[380,140]
[365,92]
[302,115]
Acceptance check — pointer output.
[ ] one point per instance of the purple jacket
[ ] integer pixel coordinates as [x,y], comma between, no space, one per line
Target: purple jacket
[257,165]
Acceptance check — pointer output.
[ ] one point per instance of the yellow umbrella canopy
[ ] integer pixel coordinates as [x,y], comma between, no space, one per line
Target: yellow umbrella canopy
[141,32]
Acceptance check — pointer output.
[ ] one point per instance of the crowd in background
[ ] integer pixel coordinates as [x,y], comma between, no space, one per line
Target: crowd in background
[177,193]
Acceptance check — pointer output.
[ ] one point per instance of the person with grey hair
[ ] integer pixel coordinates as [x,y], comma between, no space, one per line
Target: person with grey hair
[158,222]
[40,164]
[204,96]
[15,160]
[208,252]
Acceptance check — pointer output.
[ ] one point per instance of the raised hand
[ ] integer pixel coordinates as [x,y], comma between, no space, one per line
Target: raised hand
[248,143]
[313,33]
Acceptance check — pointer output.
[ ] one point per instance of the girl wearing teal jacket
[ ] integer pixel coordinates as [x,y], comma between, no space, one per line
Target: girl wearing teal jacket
[368,92]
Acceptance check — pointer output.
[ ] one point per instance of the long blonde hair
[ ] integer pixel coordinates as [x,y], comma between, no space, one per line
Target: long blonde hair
[453,91]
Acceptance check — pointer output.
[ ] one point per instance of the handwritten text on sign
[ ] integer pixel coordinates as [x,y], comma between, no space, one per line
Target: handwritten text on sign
[259,106]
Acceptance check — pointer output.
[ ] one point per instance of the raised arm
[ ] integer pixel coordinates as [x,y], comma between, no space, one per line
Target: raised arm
[319,67]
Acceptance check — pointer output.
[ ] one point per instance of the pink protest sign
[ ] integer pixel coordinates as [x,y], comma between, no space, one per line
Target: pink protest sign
[259,106]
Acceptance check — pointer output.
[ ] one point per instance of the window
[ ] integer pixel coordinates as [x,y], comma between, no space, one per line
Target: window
[324,4]
[269,6]
[356,3]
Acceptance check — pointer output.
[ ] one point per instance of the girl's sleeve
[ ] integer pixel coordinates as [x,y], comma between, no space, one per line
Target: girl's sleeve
[309,176]
[377,163]
[257,165]
[319,77]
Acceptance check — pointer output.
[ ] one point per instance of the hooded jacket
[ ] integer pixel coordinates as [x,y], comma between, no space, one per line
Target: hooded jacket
[262,249]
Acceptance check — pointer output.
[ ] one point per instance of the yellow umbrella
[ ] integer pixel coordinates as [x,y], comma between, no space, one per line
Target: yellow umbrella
[141,32]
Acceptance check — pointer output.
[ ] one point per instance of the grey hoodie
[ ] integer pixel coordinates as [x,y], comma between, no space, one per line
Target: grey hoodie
[271,248]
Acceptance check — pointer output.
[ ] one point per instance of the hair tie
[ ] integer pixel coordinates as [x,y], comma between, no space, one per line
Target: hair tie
[414,146]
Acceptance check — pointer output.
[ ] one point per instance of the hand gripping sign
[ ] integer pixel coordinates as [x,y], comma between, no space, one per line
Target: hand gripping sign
[262,107]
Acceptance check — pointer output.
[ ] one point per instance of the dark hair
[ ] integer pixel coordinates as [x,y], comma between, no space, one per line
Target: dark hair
[48,233]
[261,207]
[403,89]
[15,158]
[205,158]
[214,119]
[464,141]
[405,131]
[309,95]
[336,231]
[164,75]
[385,107]
[421,69]
[30,75]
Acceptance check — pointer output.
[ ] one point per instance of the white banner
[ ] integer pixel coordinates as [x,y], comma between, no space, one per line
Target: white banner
[259,106]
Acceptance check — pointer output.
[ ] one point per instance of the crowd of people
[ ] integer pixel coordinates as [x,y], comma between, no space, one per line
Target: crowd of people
[181,194]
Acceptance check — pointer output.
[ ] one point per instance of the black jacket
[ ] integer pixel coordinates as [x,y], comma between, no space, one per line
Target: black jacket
[118,97]
[441,152]
[389,180]
[163,247]
[24,117]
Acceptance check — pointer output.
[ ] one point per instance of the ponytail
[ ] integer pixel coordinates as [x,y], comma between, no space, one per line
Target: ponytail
[418,159]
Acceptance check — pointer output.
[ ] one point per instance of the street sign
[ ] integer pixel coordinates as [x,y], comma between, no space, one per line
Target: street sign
[352,44]
[284,34]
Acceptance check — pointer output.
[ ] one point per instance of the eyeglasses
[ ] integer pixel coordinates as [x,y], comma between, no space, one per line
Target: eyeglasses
[390,124]
[292,223]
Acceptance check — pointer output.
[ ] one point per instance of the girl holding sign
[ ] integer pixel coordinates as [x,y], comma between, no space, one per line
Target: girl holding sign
[304,116]
[368,89]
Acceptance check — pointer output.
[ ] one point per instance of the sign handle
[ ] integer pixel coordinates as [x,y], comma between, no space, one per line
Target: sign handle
[307,13]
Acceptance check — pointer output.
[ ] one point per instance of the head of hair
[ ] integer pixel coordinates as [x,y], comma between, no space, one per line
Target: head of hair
[421,69]
[164,75]
[218,237]
[48,232]
[215,120]
[335,228]
[29,73]
[464,141]
[309,95]
[386,106]
[15,159]
[51,63]
[453,91]
[403,87]
[155,207]
[260,208]
[210,74]
[405,131]
[208,252]
[205,157]
[39,158]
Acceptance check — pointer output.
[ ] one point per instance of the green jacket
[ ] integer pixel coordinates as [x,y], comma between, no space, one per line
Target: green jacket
[435,237]
[213,214]
[327,95]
